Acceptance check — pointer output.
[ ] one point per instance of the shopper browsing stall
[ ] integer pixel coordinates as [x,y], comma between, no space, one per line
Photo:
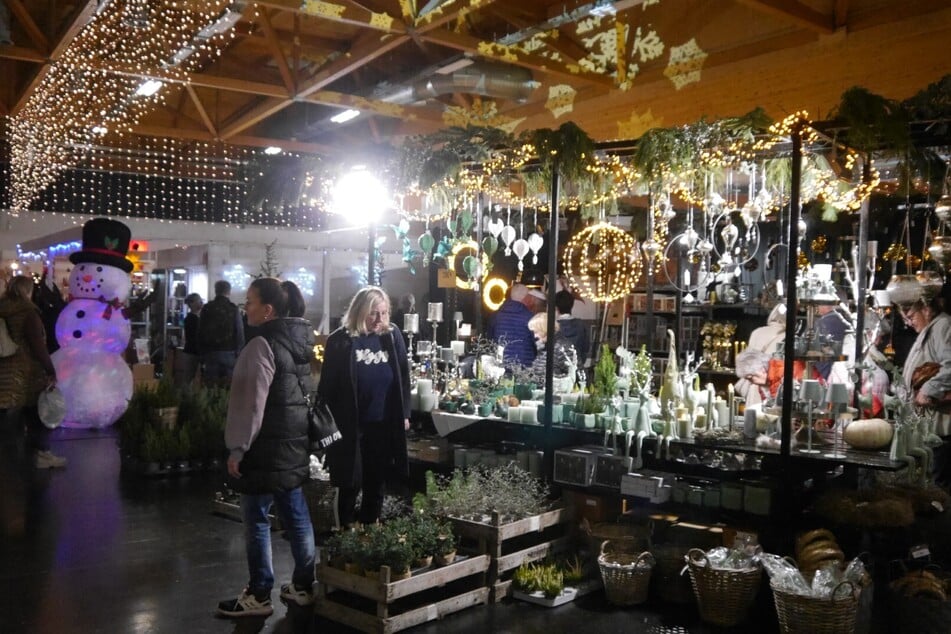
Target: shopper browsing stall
[365,381]
[926,372]
[266,436]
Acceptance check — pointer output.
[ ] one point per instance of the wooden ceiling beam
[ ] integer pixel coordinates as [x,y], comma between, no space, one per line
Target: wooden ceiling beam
[22,54]
[364,50]
[396,111]
[511,55]
[257,113]
[795,12]
[841,13]
[74,25]
[290,80]
[201,110]
[34,32]
[447,12]
[340,13]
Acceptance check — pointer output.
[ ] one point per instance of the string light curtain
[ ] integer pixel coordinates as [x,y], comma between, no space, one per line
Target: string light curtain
[108,77]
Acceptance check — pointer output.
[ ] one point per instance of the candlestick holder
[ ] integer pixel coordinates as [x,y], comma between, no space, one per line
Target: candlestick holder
[811,393]
[838,398]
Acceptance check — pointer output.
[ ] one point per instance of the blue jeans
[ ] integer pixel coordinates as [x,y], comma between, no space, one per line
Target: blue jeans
[292,509]
[217,367]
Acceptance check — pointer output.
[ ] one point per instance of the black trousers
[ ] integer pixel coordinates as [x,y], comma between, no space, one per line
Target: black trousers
[374,452]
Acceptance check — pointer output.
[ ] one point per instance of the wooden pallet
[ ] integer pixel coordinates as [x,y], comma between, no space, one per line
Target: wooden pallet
[497,540]
[397,605]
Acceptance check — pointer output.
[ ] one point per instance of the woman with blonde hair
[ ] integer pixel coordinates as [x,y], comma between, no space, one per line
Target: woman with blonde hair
[25,374]
[365,381]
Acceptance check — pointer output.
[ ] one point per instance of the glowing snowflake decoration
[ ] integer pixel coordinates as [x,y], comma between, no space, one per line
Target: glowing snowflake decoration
[561,100]
[685,64]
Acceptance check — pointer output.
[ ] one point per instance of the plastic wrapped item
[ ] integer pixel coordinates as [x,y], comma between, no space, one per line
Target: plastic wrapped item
[784,575]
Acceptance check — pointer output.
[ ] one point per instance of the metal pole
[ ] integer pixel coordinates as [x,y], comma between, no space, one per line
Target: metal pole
[371,256]
[792,267]
[549,460]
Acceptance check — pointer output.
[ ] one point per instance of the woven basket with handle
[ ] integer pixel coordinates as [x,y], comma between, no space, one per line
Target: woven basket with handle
[625,572]
[724,596]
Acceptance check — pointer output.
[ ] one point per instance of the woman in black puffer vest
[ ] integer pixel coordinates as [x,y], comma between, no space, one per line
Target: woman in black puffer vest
[266,436]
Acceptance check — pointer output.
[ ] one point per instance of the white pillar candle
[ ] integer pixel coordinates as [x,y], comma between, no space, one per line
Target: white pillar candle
[447,355]
[458,347]
[465,330]
[435,311]
[424,386]
[411,323]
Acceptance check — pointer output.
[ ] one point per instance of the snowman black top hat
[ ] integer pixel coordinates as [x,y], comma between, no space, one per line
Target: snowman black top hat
[105,241]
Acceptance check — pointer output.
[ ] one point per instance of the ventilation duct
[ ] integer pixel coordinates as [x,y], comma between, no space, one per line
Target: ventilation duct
[480,78]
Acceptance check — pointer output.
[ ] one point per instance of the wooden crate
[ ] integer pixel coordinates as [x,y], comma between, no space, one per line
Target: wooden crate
[515,543]
[379,606]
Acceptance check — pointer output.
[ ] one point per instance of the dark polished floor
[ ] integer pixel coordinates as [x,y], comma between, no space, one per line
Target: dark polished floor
[111,554]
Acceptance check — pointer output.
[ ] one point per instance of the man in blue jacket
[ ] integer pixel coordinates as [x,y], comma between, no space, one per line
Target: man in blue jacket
[509,327]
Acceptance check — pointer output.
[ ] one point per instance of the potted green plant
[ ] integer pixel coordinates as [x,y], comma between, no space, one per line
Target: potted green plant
[424,530]
[164,402]
[446,544]
[398,556]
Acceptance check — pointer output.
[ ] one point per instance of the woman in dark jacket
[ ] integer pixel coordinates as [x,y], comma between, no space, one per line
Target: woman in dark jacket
[28,371]
[365,381]
[266,436]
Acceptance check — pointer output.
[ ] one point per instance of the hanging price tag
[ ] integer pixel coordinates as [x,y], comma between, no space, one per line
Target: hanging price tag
[921,551]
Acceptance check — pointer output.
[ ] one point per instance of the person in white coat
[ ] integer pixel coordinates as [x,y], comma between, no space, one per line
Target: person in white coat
[767,338]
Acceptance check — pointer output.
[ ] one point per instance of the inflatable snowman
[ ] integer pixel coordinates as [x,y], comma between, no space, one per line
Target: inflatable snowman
[93,331]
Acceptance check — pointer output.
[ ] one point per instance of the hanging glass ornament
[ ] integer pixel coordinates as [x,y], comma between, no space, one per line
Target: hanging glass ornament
[535,242]
[426,243]
[495,227]
[521,249]
[508,236]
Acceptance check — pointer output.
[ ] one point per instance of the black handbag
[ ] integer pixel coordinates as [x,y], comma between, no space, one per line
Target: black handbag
[321,426]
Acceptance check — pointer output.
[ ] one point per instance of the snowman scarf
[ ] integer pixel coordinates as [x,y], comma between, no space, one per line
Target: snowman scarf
[111,304]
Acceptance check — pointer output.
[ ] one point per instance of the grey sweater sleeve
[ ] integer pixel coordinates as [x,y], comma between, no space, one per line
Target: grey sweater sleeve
[250,383]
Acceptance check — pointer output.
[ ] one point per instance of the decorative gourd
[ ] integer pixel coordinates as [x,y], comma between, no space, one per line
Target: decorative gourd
[869,433]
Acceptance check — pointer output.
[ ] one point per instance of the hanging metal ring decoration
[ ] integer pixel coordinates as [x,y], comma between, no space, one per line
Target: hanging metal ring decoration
[732,246]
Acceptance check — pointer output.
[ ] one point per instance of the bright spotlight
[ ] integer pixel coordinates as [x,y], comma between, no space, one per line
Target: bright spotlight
[359,195]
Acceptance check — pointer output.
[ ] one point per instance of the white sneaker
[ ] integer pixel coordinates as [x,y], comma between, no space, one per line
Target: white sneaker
[48,460]
[245,605]
[291,593]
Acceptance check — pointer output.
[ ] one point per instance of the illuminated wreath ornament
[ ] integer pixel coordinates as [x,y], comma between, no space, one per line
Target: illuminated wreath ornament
[602,262]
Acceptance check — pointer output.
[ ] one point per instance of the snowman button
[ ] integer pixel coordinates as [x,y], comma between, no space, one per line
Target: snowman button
[77,334]
[80,313]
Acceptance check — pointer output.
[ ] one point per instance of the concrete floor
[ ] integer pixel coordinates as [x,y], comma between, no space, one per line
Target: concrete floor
[111,554]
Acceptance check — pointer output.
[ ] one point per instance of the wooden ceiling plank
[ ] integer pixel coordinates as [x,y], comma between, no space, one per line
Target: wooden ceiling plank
[795,12]
[490,50]
[343,14]
[261,111]
[22,54]
[74,25]
[201,110]
[277,53]
[239,85]
[447,12]
[841,14]
[23,16]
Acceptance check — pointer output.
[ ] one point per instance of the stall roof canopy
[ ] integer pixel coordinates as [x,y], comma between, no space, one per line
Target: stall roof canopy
[287,67]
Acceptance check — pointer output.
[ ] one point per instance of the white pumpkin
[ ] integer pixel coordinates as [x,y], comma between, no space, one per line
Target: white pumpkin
[869,433]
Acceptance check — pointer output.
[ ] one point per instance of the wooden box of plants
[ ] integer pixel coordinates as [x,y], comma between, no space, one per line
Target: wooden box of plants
[504,513]
[390,577]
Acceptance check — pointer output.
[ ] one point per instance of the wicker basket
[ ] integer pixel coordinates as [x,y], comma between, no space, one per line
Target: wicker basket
[625,572]
[669,585]
[321,499]
[723,596]
[809,615]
